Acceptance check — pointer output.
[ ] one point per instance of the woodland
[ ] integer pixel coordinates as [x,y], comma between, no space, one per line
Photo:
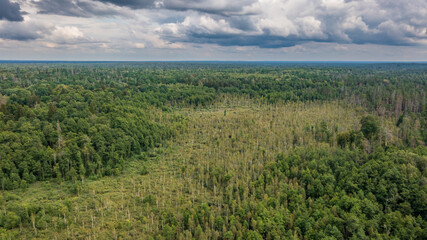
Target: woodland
[213,150]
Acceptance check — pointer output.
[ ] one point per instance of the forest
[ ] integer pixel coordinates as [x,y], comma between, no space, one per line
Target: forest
[213,150]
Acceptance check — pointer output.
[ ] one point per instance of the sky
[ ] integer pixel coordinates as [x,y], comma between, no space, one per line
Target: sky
[231,30]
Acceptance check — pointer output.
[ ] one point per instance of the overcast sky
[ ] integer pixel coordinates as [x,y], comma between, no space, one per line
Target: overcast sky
[275,30]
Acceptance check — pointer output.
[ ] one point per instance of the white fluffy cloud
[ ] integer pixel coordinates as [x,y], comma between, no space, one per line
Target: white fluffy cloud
[68,34]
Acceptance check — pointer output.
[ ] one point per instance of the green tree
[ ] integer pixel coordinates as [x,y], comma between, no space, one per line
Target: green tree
[370,126]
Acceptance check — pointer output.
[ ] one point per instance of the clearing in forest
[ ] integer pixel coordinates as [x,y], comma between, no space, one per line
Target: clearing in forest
[228,143]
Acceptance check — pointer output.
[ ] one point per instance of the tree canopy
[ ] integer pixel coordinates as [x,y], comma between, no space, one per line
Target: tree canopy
[213,151]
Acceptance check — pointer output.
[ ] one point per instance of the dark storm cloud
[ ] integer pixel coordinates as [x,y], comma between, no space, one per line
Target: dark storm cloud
[241,23]
[224,38]
[135,4]
[10,11]
[74,8]
[22,31]
[219,7]
[87,8]
[238,40]
[267,39]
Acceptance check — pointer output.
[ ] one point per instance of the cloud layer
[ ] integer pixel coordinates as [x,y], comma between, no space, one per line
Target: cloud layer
[10,11]
[78,8]
[23,31]
[115,25]
[274,23]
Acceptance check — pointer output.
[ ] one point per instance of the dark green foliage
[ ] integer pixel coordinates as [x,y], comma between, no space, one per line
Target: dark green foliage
[73,132]
[10,220]
[319,193]
[150,199]
[144,170]
[370,126]
[350,139]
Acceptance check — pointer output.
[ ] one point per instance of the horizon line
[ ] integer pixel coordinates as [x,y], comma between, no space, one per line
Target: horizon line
[211,61]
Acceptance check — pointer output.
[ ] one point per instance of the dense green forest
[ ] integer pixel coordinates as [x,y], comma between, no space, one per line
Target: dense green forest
[213,150]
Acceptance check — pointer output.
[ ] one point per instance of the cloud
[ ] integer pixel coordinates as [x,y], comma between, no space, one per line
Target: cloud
[23,31]
[135,4]
[284,23]
[220,7]
[68,35]
[259,23]
[90,8]
[75,8]
[10,11]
